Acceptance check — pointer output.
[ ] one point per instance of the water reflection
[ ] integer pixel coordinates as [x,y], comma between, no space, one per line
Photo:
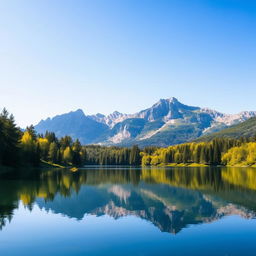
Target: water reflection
[171,199]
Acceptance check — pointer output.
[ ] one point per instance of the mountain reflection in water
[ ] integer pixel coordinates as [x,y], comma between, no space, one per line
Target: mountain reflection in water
[170,198]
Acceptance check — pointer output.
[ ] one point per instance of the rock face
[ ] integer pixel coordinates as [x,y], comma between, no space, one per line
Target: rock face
[76,124]
[165,109]
[244,129]
[167,122]
[170,209]
[111,119]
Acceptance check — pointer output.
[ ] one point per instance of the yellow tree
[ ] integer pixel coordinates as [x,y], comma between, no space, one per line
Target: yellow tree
[67,155]
[28,146]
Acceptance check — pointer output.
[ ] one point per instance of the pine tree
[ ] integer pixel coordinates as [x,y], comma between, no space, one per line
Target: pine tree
[53,152]
[77,161]
[135,158]
[9,139]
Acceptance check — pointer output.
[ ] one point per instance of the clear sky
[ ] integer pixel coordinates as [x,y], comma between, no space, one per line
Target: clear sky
[57,56]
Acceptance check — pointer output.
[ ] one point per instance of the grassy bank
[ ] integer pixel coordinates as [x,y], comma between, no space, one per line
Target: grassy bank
[46,164]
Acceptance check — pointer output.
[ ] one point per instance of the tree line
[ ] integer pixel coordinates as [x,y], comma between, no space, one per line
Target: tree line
[49,184]
[102,155]
[27,147]
[219,151]
[63,151]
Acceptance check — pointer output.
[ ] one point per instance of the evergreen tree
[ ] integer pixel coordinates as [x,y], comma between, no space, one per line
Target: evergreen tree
[65,142]
[77,147]
[135,158]
[29,148]
[9,139]
[31,130]
[53,152]
[51,137]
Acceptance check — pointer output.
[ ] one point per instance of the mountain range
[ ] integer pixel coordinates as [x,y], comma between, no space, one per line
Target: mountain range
[167,122]
[244,129]
[170,199]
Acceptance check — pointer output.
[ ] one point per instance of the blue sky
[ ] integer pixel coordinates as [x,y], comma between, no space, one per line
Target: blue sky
[101,56]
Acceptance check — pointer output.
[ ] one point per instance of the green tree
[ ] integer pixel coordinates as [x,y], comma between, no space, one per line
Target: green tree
[135,158]
[31,130]
[9,139]
[51,137]
[76,156]
[65,142]
[30,149]
[53,152]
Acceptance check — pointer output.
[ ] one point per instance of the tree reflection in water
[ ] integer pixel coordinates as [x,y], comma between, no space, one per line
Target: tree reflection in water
[170,198]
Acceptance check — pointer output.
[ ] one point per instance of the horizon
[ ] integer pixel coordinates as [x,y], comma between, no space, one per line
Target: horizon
[129,129]
[125,55]
[92,114]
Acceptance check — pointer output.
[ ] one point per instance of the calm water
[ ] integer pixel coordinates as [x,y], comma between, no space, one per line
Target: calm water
[125,211]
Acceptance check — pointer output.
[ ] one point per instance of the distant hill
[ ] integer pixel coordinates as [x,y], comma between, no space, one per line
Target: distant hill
[167,122]
[75,124]
[244,129]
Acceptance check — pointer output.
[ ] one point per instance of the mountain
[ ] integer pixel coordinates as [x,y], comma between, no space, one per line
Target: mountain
[111,119]
[244,129]
[75,124]
[167,122]
[171,199]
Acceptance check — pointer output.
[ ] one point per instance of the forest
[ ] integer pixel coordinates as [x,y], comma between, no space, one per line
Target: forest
[26,147]
[29,148]
[219,151]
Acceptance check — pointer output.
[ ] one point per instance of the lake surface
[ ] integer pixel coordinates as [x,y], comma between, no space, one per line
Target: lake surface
[128,211]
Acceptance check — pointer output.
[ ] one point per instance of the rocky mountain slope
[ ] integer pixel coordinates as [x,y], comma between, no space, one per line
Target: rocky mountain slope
[170,201]
[244,129]
[75,124]
[167,122]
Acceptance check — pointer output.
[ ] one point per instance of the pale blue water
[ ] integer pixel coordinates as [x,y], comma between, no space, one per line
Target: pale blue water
[182,211]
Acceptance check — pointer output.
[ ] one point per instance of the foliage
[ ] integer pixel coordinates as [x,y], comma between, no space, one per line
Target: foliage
[243,155]
[246,129]
[101,155]
[9,139]
[202,153]
[27,147]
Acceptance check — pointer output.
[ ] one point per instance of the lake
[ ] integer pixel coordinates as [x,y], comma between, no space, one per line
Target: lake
[128,211]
